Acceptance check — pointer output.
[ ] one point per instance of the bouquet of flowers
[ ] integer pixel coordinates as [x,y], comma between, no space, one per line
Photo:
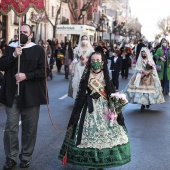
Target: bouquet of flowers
[117,102]
[150,65]
[60,56]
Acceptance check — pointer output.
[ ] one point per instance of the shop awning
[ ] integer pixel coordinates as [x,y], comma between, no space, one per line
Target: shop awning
[75,29]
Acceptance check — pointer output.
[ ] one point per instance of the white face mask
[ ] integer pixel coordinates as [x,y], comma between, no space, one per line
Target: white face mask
[127,45]
[84,42]
[164,44]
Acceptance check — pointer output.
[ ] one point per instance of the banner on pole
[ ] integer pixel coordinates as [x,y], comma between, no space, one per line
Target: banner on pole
[20,7]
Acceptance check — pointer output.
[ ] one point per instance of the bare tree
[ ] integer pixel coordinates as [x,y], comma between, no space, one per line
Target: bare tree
[37,19]
[133,23]
[115,4]
[73,7]
[54,24]
[157,36]
[164,26]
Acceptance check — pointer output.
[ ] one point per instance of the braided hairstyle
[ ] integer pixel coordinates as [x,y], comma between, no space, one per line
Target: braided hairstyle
[82,92]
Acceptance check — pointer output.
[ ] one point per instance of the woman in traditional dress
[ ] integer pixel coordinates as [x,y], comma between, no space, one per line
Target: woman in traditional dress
[81,55]
[90,141]
[144,87]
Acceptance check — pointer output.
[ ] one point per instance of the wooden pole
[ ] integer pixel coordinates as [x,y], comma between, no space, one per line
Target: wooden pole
[19,29]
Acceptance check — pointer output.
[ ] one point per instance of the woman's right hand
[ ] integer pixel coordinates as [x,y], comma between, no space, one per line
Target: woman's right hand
[145,72]
[162,59]
[72,72]
[84,62]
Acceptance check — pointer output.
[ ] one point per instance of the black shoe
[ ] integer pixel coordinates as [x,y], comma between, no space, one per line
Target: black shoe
[142,107]
[125,77]
[147,106]
[10,163]
[24,164]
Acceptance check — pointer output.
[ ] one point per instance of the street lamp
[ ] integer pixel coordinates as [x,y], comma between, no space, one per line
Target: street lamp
[83,14]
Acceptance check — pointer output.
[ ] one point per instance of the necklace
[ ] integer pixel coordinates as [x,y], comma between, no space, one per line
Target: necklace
[97,72]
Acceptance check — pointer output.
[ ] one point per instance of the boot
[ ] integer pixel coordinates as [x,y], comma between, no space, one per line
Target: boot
[142,107]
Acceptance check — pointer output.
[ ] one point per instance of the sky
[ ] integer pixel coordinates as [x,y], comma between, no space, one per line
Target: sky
[149,12]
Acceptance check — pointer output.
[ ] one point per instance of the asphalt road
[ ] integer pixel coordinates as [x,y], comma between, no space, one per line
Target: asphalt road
[149,132]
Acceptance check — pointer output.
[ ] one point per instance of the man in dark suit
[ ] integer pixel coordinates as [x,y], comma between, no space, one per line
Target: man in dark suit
[32,93]
[115,67]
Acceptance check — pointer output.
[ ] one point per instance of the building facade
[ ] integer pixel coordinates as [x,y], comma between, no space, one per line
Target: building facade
[42,29]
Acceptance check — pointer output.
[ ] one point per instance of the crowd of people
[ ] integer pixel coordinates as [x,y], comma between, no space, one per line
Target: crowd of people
[96,133]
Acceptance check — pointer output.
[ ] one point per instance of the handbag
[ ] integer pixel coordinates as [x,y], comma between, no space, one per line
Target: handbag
[158,68]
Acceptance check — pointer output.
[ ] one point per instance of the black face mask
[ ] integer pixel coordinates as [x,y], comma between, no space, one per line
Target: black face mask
[23,38]
[143,56]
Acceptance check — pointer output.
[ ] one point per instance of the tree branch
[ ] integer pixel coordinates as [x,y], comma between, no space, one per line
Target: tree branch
[74,11]
[58,13]
[48,19]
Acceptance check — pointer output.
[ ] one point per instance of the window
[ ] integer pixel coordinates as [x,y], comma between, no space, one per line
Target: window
[15,19]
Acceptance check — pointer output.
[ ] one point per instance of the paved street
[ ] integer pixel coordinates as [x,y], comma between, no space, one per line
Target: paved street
[149,132]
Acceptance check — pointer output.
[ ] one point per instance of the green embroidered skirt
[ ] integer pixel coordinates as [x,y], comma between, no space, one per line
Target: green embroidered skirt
[95,158]
[101,146]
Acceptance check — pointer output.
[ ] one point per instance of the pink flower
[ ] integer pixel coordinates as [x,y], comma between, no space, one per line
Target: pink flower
[108,115]
[152,64]
[112,116]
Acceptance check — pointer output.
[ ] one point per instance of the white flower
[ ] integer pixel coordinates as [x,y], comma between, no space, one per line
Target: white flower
[118,95]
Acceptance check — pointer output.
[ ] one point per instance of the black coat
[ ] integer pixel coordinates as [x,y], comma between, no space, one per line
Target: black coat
[71,55]
[32,90]
[115,66]
[1,78]
[138,48]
